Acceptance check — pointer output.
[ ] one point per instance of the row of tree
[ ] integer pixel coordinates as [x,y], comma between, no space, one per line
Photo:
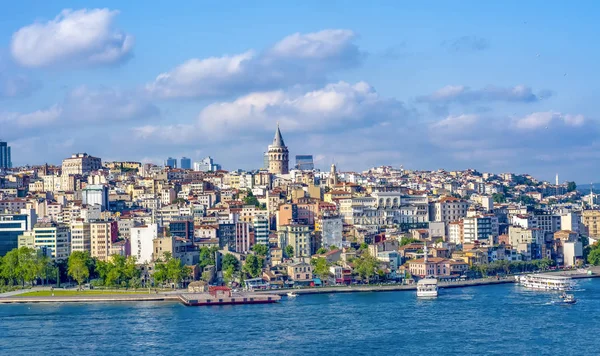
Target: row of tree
[510,267]
[25,265]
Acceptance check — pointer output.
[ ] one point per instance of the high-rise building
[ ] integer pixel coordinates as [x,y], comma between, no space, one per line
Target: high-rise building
[81,238]
[103,234]
[206,165]
[305,162]
[278,155]
[261,229]
[95,195]
[5,159]
[171,162]
[141,242]
[186,163]
[80,163]
[11,226]
[54,238]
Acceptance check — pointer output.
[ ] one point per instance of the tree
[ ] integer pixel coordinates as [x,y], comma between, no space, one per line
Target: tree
[228,274]
[526,200]
[260,250]
[498,198]
[571,186]
[229,261]
[321,268]
[250,199]
[333,248]
[289,251]
[206,276]
[363,246]
[594,257]
[321,251]
[407,240]
[79,266]
[253,266]
[207,256]
[366,265]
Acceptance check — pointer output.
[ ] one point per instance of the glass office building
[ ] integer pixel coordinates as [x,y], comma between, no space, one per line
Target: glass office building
[5,159]
[305,162]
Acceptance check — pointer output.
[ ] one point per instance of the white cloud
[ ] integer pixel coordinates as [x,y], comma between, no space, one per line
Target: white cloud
[339,106]
[81,107]
[539,120]
[84,37]
[317,45]
[297,59]
[465,95]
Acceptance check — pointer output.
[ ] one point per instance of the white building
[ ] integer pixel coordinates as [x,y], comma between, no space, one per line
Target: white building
[571,221]
[141,242]
[261,229]
[481,228]
[80,236]
[54,239]
[206,165]
[80,163]
[331,231]
[572,251]
[448,209]
[95,195]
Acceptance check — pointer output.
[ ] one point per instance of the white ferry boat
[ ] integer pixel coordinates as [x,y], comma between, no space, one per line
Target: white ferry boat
[545,281]
[427,288]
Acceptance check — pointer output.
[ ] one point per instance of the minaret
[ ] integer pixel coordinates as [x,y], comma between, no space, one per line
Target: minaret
[426,253]
[591,195]
[278,155]
[557,179]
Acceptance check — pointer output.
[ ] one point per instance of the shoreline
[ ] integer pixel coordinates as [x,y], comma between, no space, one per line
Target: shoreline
[176,296]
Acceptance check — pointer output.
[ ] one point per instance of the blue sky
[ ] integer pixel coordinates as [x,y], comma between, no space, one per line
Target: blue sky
[497,86]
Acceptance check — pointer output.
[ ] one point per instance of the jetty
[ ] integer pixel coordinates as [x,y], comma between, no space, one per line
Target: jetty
[224,296]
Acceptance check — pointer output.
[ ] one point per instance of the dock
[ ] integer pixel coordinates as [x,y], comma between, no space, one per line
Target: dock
[205,299]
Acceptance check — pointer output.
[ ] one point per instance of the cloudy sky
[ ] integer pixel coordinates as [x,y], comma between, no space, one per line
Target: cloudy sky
[496,86]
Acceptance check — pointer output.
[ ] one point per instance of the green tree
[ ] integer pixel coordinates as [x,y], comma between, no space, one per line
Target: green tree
[333,248]
[593,257]
[289,251]
[229,261]
[228,274]
[253,266]
[260,250]
[79,266]
[499,198]
[366,265]
[207,256]
[321,251]
[321,268]
[206,276]
[250,199]
[526,200]
[363,246]
[407,240]
[571,186]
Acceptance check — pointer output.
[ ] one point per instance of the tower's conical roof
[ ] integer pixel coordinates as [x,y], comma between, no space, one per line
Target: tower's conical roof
[278,140]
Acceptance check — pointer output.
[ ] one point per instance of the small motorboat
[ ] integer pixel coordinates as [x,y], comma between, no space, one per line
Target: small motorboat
[568,298]
[292,295]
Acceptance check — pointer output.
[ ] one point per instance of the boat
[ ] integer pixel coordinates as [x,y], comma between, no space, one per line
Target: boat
[427,288]
[568,298]
[291,294]
[545,281]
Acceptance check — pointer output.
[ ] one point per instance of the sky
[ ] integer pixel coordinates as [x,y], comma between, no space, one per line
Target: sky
[495,86]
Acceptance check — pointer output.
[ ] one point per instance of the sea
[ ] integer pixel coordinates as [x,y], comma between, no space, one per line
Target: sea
[487,320]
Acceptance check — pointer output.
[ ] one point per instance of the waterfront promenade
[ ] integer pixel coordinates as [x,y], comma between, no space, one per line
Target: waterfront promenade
[175,296]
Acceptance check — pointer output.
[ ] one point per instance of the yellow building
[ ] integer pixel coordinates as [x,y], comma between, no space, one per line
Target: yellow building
[591,221]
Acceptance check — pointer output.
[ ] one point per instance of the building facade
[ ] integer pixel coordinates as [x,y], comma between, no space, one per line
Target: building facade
[80,163]
[5,155]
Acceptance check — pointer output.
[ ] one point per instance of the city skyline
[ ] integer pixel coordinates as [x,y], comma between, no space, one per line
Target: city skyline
[391,85]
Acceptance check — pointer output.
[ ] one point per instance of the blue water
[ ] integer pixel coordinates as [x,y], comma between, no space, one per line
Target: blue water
[498,320]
